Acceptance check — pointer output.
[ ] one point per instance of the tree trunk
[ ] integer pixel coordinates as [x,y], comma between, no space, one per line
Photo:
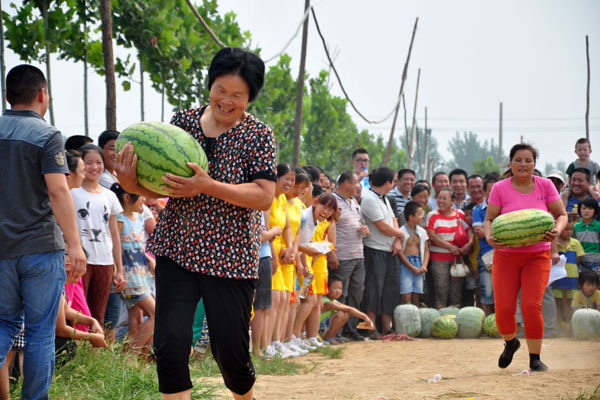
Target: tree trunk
[109,65]
[86,122]
[587,97]
[47,48]
[426,140]
[141,88]
[300,93]
[2,64]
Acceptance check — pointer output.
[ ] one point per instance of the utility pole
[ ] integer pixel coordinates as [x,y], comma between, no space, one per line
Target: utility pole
[386,158]
[587,99]
[2,65]
[500,138]
[300,94]
[426,162]
[413,129]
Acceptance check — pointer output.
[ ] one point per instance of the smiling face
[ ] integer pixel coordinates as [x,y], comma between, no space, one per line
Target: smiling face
[322,212]
[229,97]
[286,182]
[441,181]
[93,166]
[406,183]
[475,188]
[579,184]
[110,156]
[522,164]
[444,201]
[458,184]
[422,198]
[297,190]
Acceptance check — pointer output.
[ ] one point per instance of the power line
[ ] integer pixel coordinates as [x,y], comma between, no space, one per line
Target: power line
[340,81]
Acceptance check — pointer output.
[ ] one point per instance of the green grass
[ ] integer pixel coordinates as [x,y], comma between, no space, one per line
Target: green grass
[207,367]
[595,395]
[109,374]
[334,352]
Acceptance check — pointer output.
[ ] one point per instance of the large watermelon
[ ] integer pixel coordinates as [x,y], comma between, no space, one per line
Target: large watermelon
[407,319]
[444,327]
[489,326]
[449,310]
[161,148]
[469,321]
[428,315]
[586,323]
[522,227]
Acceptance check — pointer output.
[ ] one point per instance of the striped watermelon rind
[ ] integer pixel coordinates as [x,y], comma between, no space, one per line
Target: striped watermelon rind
[428,315]
[489,326]
[161,148]
[470,321]
[523,227]
[444,327]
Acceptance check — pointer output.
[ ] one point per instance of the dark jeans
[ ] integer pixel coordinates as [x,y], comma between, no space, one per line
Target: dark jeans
[352,275]
[227,303]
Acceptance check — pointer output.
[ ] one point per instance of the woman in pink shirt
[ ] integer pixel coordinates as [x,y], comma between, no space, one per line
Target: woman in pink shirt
[524,268]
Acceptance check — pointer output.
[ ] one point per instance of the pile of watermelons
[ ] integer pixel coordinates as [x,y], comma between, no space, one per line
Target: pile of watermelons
[447,323]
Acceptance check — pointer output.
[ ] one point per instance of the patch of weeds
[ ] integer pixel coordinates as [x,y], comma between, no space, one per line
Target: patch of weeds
[334,352]
[595,395]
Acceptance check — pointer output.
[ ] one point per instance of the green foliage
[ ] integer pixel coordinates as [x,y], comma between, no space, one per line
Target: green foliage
[110,374]
[467,149]
[333,352]
[482,167]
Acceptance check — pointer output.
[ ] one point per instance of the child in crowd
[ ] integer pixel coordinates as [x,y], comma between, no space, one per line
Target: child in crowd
[587,231]
[420,194]
[96,210]
[335,314]
[564,289]
[588,295]
[471,293]
[323,208]
[583,149]
[415,254]
[136,269]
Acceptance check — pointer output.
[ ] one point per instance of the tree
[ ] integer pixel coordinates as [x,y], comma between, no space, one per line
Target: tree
[482,167]
[29,36]
[109,65]
[468,149]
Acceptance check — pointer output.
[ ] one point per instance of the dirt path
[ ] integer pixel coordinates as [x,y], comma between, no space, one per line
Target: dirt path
[400,370]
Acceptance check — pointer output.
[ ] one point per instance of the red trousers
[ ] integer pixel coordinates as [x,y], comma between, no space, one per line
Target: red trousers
[528,272]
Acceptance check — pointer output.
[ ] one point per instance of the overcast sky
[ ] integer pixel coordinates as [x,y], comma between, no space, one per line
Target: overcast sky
[530,55]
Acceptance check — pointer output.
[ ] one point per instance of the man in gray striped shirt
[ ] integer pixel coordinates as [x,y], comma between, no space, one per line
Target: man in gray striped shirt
[350,229]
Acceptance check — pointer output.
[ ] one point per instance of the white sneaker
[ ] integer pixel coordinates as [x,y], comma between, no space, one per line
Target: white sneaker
[293,347]
[315,342]
[284,352]
[270,352]
[304,345]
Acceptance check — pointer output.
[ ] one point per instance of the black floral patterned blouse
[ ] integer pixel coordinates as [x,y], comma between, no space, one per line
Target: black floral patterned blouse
[208,235]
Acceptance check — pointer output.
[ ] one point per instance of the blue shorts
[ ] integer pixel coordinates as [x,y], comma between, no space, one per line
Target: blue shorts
[485,284]
[409,282]
[113,310]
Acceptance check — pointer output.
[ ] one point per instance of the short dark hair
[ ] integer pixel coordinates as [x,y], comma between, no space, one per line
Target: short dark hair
[418,189]
[236,61]
[583,141]
[411,209]
[469,206]
[589,202]
[76,141]
[73,157]
[89,148]
[359,151]
[313,172]
[317,190]
[435,176]
[23,83]
[457,171]
[588,174]
[283,169]
[587,275]
[301,175]
[490,179]
[381,176]
[492,174]
[404,171]
[106,137]
[345,177]
[424,182]
[474,176]
[523,146]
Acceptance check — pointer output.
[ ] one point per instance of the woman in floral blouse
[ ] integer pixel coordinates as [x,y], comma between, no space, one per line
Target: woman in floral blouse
[207,239]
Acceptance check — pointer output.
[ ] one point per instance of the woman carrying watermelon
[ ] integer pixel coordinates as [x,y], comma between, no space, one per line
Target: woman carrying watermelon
[207,239]
[525,268]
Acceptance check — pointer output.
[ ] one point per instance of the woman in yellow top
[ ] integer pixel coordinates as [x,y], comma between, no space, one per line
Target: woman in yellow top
[295,207]
[283,246]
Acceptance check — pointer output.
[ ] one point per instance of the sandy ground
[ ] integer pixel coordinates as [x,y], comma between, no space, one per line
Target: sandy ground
[400,370]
